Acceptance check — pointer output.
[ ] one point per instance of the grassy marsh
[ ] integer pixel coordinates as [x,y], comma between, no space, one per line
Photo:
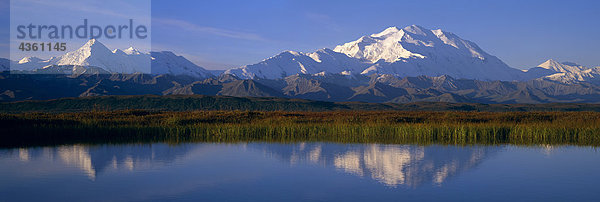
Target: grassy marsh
[458,128]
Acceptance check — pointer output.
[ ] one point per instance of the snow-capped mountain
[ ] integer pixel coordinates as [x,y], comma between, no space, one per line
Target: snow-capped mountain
[31,63]
[166,62]
[565,72]
[412,64]
[414,51]
[291,63]
[553,65]
[132,51]
[410,51]
[94,54]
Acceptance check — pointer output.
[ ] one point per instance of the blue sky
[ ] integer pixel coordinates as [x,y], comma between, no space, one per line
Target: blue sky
[227,33]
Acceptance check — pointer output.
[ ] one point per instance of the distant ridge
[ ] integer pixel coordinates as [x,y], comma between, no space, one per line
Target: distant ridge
[328,87]
[396,65]
[94,54]
[409,51]
[202,102]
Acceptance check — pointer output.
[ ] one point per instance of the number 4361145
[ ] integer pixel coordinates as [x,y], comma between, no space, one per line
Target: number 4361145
[24,46]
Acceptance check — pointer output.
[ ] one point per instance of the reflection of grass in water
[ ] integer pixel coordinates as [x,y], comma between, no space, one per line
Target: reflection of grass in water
[131,126]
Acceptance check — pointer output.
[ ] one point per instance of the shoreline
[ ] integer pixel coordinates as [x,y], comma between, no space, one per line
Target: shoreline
[393,127]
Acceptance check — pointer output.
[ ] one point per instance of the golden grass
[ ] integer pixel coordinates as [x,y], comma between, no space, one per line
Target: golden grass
[523,128]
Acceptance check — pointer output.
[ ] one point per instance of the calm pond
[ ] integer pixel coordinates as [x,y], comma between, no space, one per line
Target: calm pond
[300,171]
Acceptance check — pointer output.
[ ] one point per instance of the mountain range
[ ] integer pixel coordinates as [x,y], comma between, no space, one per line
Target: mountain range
[400,65]
[93,57]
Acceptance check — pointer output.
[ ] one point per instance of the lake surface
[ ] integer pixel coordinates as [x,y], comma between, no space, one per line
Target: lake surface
[301,171]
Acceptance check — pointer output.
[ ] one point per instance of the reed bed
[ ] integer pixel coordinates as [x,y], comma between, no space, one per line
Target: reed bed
[456,128]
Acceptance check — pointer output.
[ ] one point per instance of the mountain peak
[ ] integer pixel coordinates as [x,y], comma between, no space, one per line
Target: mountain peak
[118,52]
[30,59]
[392,29]
[408,51]
[567,67]
[413,29]
[387,31]
[95,54]
[548,64]
[132,51]
[295,53]
[416,29]
[550,61]
[94,45]
[167,62]
[392,44]
[92,41]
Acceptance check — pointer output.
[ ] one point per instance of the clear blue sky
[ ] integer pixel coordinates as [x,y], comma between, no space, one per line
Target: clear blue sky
[225,33]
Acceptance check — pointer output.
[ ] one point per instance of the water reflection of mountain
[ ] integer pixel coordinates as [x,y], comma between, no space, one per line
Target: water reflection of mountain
[94,160]
[393,165]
